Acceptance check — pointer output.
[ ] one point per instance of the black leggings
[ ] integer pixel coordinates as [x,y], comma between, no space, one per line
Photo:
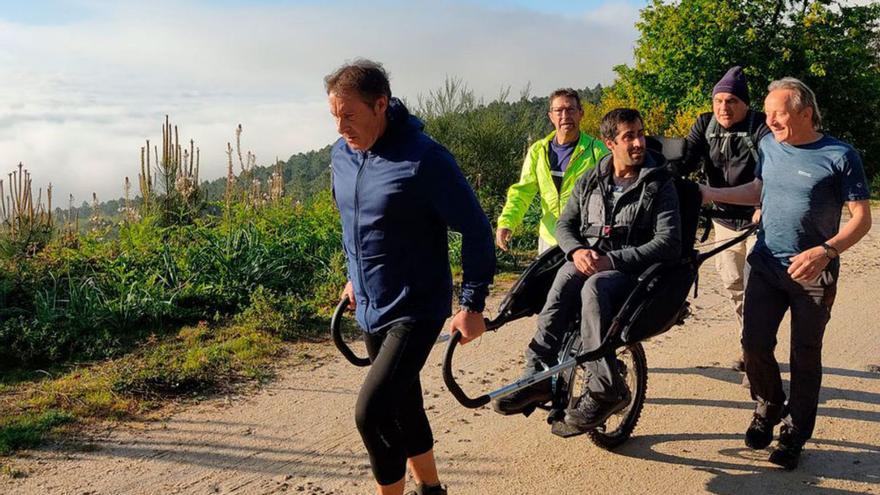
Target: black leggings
[390,414]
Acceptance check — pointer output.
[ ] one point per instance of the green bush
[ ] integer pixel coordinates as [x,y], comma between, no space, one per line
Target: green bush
[286,316]
[100,296]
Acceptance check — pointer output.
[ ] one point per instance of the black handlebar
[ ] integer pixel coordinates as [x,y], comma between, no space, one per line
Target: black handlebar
[336,333]
[450,382]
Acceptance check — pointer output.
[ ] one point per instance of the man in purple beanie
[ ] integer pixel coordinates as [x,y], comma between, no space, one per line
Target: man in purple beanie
[724,143]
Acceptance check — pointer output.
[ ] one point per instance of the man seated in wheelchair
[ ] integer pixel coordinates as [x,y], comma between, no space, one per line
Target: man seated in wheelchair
[621,218]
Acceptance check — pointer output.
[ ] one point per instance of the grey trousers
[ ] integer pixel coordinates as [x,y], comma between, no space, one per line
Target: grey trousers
[769,292]
[598,297]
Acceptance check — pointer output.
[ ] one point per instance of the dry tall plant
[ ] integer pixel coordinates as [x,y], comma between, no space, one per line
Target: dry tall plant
[145,178]
[177,169]
[71,223]
[129,214]
[95,219]
[276,182]
[250,193]
[24,219]
[229,194]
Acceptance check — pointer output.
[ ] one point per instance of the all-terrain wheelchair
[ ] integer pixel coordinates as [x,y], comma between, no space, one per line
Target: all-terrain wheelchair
[657,303]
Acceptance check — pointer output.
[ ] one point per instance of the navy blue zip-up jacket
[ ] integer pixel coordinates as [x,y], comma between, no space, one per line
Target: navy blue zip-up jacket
[396,202]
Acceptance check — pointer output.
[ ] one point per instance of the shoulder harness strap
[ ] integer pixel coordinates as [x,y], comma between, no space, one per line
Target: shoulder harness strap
[714,131]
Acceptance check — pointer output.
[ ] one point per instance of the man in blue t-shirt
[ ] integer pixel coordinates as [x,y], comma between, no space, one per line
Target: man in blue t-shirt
[803,180]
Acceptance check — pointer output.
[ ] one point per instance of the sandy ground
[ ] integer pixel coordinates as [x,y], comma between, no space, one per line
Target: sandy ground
[297,434]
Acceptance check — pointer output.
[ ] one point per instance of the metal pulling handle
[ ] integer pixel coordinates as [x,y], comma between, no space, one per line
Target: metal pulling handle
[450,382]
[336,333]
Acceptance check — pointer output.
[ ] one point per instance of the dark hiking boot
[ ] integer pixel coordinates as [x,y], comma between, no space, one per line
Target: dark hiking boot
[788,450]
[760,432]
[428,490]
[525,399]
[591,412]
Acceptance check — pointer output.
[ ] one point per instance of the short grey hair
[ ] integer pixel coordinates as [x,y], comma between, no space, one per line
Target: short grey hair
[365,77]
[802,97]
[566,93]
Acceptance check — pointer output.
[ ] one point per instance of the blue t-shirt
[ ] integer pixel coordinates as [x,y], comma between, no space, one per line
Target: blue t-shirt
[804,190]
[560,156]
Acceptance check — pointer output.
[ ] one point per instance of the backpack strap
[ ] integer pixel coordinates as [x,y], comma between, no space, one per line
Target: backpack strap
[714,131]
[592,180]
[750,138]
[712,128]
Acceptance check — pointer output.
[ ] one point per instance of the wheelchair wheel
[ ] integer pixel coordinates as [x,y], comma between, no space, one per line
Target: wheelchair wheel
[634,371]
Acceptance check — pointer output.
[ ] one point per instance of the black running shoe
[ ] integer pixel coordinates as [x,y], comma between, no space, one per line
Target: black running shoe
[788,450]
[522,400]
[428,490]
[591,413]
[760,432]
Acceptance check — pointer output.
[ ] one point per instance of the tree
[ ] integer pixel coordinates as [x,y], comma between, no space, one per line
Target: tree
[686,46]
[488,141]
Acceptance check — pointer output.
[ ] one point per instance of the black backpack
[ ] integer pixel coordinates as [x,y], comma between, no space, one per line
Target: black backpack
[715,131]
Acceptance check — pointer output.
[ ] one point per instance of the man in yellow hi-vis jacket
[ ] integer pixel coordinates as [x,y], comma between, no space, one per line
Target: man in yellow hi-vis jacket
[551,168]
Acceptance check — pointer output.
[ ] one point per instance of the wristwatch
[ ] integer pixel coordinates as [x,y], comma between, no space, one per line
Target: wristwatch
[830,251]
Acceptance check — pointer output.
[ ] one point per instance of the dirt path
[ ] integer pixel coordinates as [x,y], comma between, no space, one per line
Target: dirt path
[297,434]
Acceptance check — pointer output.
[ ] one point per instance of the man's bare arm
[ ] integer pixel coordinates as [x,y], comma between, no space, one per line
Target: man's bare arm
[855,228]
[746,194]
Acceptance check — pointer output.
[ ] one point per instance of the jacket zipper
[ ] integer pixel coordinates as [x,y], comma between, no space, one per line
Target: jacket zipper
[726,156]
[357,227]
[574,155]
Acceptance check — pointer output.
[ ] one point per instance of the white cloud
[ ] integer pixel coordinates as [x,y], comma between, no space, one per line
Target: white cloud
[615,14]
[78,99]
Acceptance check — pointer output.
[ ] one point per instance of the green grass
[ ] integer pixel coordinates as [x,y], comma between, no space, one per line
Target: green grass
[28,430]
[198,361]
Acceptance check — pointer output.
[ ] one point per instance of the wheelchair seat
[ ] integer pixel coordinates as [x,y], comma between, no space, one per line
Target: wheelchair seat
[659,299]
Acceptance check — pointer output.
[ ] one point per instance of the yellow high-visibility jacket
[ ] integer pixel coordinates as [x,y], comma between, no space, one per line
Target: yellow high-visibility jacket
[536,177]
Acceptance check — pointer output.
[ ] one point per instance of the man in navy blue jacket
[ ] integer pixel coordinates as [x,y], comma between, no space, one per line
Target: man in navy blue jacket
[398,193]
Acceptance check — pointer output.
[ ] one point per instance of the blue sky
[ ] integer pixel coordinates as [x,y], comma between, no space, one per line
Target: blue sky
[43,12]
[87,81]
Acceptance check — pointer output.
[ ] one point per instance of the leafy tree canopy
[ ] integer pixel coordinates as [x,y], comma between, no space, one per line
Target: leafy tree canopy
[686,46]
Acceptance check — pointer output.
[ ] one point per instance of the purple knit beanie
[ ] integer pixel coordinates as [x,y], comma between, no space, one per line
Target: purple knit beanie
[734,82]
